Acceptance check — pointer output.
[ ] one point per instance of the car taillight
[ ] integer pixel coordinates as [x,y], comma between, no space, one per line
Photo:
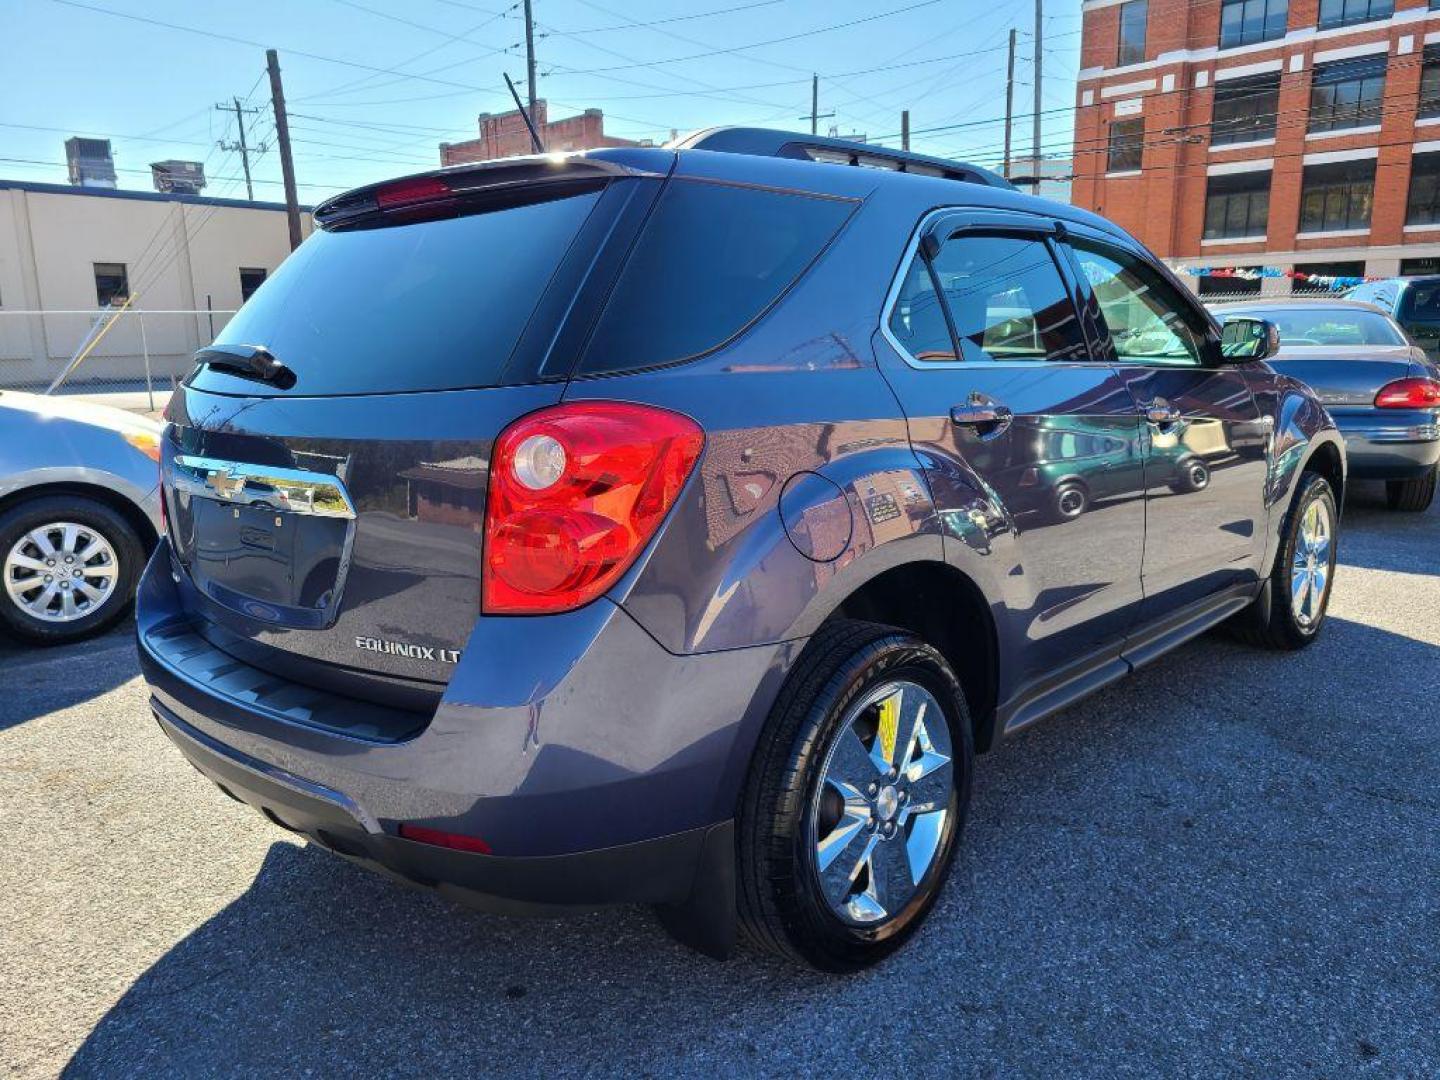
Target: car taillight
[576,492]
[1412,393]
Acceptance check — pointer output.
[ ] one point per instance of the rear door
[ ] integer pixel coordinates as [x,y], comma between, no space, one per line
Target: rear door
[1206,444]
[987,351]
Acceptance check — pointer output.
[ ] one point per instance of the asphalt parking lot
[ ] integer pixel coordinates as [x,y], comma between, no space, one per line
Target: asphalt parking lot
[1229,863]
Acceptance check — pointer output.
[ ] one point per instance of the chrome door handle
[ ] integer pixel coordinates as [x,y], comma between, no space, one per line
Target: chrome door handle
[988,418]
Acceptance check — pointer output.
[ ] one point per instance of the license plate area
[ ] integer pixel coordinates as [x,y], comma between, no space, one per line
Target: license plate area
[278,567]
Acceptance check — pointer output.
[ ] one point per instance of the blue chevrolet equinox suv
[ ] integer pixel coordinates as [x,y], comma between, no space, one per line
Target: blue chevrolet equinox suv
[674,526]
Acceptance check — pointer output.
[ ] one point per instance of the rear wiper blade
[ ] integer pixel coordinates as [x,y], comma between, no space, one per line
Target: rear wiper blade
[248,362]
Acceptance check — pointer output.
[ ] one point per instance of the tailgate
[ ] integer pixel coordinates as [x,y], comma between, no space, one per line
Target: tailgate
[342,530]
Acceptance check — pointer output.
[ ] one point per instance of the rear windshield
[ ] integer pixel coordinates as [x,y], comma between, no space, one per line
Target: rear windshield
[712,259]
[1333,326]
[1425,302]
[432,305]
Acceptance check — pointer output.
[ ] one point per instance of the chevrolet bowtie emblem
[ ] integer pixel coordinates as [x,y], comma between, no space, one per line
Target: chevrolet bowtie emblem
[224,482]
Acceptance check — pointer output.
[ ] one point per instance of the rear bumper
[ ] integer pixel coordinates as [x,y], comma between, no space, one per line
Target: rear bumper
[1399,446]
[653,871]
[593,763]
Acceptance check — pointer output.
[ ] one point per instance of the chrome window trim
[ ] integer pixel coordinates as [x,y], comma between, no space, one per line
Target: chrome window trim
[892,297]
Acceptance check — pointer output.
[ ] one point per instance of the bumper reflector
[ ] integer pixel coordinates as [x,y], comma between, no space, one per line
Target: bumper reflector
[454,841]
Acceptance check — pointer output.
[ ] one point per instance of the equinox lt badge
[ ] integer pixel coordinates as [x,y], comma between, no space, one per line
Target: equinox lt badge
[412,652]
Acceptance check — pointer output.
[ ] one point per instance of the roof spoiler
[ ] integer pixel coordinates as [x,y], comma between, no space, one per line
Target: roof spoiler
[766,142]
[483,178]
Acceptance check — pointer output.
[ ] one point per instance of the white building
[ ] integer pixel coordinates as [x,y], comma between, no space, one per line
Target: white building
[68,252]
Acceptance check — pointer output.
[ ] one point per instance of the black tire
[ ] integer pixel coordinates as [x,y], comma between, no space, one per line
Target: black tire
[1411,496]
[1270,622]
[781,905]
[40,510]
[1070,501]
[1191,475]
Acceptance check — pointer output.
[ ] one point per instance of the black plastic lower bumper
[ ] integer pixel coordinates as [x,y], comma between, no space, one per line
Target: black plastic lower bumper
[660,871]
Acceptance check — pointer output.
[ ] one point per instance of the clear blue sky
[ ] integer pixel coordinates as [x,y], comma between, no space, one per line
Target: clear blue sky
[417,73]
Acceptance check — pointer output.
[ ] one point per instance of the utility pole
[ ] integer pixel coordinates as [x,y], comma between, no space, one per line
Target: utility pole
[815,114]
[530,57]
[1039,59]
[905,129]
[1009,100]
[282,138]
[240,111]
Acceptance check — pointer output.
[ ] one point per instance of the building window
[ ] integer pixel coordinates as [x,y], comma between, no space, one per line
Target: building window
[1132,32]
[1423,206]
[1213,285]
[1245,109]
[1430,81]
[250,280]
[1337,196]
[1127,143]
[1237,204]
[1422,267]
[112,284]
[1346,12]
[1244,22]
[1347,93]
[1305,271]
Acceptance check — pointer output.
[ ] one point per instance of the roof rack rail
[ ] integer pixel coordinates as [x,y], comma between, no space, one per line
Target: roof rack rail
[766,142]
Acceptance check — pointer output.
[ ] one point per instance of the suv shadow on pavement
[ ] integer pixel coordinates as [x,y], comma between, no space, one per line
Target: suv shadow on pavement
[1184,864]
[40,681]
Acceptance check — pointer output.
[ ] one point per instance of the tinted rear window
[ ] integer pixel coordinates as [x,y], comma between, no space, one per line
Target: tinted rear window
[711,260]
[1425,302]
[432,305]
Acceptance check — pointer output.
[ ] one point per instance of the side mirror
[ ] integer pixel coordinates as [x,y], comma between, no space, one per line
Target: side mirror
[1243,338]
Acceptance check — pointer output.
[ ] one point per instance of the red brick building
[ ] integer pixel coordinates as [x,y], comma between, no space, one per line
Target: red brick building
[1298,135]
[505,135]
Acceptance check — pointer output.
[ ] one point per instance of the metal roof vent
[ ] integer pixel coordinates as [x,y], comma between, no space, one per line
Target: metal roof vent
[90,162]
[178,177]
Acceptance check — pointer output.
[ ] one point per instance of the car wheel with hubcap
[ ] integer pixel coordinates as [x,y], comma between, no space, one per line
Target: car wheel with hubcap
[856,797]
[1071,500]
[1290,612]
[68,566]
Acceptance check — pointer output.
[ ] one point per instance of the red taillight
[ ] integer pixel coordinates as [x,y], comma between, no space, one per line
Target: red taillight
[454,841]
[576,492]
[421,189]
[1413,393]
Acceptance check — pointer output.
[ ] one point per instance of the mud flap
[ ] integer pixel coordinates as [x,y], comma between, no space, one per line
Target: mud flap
[707,920]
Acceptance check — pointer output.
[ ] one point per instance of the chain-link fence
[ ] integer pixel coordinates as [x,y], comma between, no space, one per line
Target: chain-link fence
[121,356]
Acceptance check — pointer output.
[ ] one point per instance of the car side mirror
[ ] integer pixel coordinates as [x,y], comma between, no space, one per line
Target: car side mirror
[1243,338]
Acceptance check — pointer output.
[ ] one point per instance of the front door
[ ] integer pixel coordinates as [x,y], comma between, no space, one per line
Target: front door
[1205,442]
[1031,443]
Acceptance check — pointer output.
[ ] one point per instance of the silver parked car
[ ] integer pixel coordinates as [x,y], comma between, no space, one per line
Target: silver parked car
[79,514]
[1381,388]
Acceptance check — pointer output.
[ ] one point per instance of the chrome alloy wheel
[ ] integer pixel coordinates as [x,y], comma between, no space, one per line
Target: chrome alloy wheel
[1310,569]
[61,572]
[879,811]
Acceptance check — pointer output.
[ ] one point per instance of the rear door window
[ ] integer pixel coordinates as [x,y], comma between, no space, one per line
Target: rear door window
[712,259]
[429,305]
[1005,296]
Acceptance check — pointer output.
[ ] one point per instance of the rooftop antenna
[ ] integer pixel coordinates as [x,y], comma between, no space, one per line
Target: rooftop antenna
[524,115]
